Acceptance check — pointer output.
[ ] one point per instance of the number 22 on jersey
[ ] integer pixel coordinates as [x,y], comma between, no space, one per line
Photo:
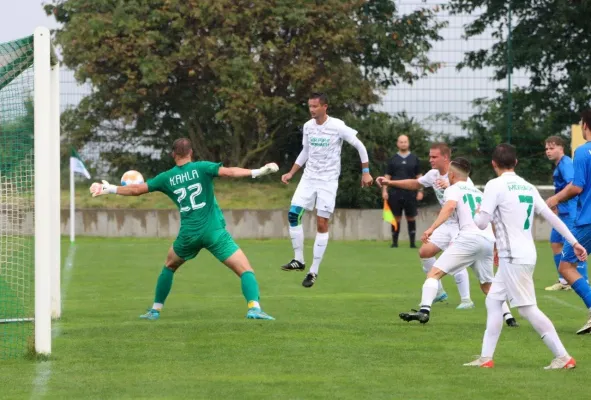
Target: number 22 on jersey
[194,190]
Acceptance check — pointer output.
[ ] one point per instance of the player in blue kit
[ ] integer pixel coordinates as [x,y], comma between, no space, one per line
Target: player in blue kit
[567,211]
[581,186]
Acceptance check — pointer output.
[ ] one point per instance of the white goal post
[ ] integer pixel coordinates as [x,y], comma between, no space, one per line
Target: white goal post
[47,190]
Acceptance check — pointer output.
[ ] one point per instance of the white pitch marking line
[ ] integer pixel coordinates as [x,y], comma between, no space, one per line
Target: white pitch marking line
[43,373]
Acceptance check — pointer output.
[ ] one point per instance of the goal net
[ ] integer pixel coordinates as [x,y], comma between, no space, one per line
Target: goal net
[26,126]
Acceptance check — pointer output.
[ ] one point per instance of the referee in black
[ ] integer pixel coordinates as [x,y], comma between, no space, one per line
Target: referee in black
[403,165]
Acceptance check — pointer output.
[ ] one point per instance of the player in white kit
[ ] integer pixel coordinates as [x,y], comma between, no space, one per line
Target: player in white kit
[322,141]
[471,247]
[439,158]
[509,202]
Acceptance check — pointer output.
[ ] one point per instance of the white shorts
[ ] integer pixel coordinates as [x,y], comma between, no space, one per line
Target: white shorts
[469,250]
[311,192]
[444,235]
[514,283]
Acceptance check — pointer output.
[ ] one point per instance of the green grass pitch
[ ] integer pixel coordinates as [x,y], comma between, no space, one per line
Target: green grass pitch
[341,339]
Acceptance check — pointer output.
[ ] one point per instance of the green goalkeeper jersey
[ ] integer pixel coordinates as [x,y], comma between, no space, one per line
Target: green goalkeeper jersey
[190,187]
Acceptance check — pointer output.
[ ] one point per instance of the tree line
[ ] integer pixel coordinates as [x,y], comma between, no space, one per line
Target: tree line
[235,75]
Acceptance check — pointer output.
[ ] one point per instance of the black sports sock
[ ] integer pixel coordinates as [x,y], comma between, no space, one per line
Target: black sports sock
[395,233]
[412,231]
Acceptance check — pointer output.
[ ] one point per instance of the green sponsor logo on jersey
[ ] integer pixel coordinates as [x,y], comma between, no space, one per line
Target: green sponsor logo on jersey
[517,186]
[319,142]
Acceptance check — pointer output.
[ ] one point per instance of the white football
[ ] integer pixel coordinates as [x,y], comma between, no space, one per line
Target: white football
[131,177]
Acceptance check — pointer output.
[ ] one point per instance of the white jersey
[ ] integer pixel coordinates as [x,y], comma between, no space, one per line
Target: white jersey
[468,198]
[324,143]
[430,179]
[511,201]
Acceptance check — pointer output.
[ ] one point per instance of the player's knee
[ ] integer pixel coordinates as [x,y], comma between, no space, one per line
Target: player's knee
[322,224]
[425,252]
[556,247]
[171,265]
[294,216]
[485,287]
[565,267]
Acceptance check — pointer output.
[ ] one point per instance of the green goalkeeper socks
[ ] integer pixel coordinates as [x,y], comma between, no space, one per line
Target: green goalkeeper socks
[163,286]
[250,289]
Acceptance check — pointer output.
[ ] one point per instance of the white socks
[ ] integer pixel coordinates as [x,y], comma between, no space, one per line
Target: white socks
[462,279]
[297,242]
[494,325]
[427,265]
[539,320]
[319,248]
[545,329]
[463,282]
[429,292]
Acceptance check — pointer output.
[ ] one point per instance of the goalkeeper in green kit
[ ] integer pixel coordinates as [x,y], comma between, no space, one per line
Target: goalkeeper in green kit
[190,186]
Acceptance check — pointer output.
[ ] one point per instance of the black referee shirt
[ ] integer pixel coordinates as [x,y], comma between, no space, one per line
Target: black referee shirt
[400,167]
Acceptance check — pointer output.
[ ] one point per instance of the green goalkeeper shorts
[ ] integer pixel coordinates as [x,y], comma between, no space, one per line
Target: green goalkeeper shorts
[218,242]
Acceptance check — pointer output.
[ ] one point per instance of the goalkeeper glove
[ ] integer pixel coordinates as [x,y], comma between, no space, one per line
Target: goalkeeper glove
[265,170]
[98,189]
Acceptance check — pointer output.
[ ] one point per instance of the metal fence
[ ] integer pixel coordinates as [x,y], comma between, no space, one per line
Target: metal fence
[447,92]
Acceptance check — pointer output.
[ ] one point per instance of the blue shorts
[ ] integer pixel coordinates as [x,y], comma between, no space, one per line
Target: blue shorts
[583,235]
[556,237]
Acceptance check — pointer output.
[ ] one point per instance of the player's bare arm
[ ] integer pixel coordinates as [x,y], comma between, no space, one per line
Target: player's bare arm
[420,193]
[236,172]
[442,183]
[408,184]
[366,178]
[546,213]
[99,189]
[285,178]
[446,212]
[298,164]
[565,194]
[495,250]
[385,188]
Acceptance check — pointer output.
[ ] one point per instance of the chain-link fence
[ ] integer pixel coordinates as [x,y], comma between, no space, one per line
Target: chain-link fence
[439,102]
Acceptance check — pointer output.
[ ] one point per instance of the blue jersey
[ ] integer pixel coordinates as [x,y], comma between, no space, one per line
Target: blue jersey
[563,175]
[582,179]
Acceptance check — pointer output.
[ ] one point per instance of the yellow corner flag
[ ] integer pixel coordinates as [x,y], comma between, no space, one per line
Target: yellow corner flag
[388,216]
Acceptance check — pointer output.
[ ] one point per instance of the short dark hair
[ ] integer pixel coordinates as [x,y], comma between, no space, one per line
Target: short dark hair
[586,117]
[182,147]
[323,98]
[443,148]
[556,140]
[505,156]
[462,164]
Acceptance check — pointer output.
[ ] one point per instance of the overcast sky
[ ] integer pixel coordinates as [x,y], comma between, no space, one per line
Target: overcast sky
[20,18]
[448,91]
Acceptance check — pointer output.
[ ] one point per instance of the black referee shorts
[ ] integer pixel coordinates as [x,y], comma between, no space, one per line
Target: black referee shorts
[403,200]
